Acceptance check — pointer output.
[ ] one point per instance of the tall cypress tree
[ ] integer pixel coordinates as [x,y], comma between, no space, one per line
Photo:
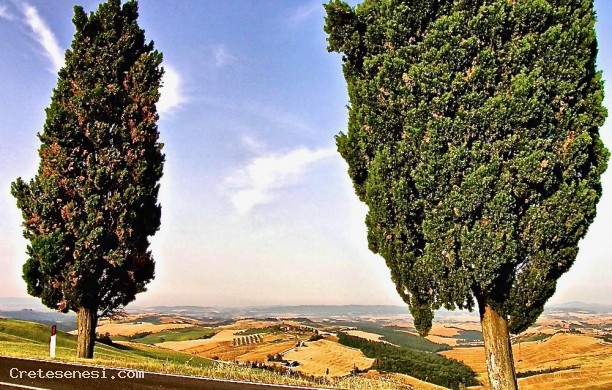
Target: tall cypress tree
[91,207]
[473,137]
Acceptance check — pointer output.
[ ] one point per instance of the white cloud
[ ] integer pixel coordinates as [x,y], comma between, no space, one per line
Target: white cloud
[5,13]
[44,36]
[221,55]
[257,182]
[171,92]
[305,11]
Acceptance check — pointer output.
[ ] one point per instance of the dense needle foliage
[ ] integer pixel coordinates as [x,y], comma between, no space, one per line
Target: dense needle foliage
[473,139]
[91,207]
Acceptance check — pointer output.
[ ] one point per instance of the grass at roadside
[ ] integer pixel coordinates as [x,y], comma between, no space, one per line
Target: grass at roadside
[30,340]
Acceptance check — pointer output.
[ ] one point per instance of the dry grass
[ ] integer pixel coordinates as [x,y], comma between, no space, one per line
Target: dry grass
[466,325]
[541,329]
[23,339]
[220,346]
[251,352]
[130,329]
[224,336]
[250,324]
[442,340]
[563,351]
[443,330]
[220,371]
[260,353]
[417,383]
[317,356]
[599,320]
[367,336]
[178,320]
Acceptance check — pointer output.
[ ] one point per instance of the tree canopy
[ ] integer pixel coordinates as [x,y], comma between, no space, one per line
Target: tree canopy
[473,139]
[92,205]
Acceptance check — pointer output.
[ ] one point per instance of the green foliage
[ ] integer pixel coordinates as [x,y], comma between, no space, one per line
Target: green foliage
[267,329]
[104,338]
[531,337]
[528,373]
[316,337]
[473,139]
[183,334]
[92,205]
[140,335]
[469,335]
[152,319]
[426,366]
[400,337]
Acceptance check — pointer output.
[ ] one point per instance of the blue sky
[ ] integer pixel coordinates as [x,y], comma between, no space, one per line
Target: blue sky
[257,206]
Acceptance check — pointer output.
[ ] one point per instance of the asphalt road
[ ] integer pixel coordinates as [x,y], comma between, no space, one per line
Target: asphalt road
[46,375]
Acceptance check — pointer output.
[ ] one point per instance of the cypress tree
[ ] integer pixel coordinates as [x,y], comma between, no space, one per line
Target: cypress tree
[473,138]
[92,205]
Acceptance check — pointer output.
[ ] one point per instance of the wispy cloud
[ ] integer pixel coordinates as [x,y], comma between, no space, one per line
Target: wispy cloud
[273,116]
[221,56]
[280,118]
[258,182]
[171,91]
[44,36]
[6,14]
[252,144]
[305,11]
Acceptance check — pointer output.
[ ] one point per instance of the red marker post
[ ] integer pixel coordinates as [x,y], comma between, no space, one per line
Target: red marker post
[52,342]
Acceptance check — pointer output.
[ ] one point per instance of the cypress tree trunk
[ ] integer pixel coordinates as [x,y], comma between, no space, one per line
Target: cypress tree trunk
[498,349]
[87,320]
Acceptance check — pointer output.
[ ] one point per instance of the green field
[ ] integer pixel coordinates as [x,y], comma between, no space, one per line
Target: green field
[468,336]
[28,339]
[184,334]
[152,319]
[400,337]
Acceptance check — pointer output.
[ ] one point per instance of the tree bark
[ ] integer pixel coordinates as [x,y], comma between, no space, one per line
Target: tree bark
[498,349]
[87,320]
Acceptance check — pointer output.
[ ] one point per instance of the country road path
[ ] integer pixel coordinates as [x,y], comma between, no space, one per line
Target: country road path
[43,375]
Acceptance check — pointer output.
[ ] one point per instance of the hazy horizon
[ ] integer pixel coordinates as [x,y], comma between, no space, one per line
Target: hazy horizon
[257,207]
[33,303]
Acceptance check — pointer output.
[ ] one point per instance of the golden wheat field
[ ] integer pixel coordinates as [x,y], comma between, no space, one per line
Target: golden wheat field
[583,362]
[222,346]
[367,336]
[443,330]
[443,340]
[223,336]
[563,360]
[250,324]
[318,356]
[133,328]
